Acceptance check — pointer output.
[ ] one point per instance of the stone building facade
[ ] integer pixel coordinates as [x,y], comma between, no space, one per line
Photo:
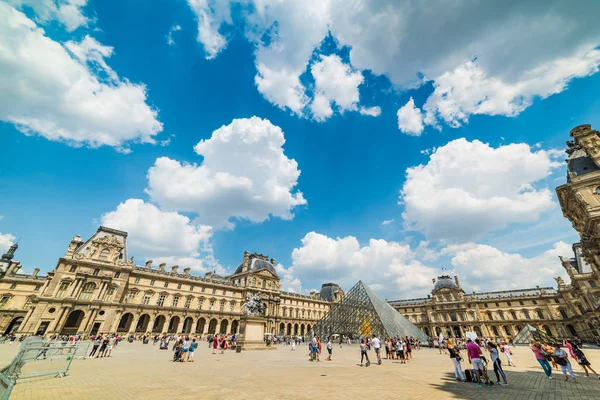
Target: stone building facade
[96,288]
[569,310]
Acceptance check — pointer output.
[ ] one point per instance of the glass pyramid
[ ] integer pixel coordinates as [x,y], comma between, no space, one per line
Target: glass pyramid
[529,332]
[361,312]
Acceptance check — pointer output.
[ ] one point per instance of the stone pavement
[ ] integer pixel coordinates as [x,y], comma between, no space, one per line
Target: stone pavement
[137,371]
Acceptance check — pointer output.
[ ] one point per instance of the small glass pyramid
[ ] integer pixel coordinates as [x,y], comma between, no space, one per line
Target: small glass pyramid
[529,332]
[361,312]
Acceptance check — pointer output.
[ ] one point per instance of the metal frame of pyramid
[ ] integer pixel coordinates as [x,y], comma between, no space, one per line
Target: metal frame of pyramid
[361,312]
[529,332]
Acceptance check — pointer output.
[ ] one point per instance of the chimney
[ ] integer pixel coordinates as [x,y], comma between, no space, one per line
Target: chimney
[149,264]
[35,272]
[174,269]
[162,266]
[273,261]
[187,271]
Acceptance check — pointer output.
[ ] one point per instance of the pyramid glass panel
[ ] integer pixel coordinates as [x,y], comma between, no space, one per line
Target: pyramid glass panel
[361,312]
[529,332]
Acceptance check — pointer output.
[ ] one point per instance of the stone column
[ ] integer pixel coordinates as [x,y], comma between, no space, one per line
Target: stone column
[151,323]
[75,287]
[56,327]
[194,324]
[115,324]
[180,325]
[86,324]
[134,323]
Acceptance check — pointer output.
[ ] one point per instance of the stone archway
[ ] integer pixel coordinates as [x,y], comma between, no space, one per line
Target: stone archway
[125,322]
[200,325]
[73,322]
[223,327]
[212,327]
[302,330]
[296,329]
[173,324]
[13,326]
[234,326]
[477,331]
[571,330]
[289,328]
[142,325]
[438,330]
[159,323]
[187,325]
[309,330]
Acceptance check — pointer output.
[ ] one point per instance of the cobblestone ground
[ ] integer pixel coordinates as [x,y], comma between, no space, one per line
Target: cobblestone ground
[137,371]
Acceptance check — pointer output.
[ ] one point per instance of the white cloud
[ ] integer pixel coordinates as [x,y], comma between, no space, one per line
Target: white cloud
[244,174]
[6,240]
[457,194]
[387,222]
[410,119]
[485,268]
[67,12]
[68,93]
[288,281]
[468,90]
[547,47]
[336,82]
[370,111]
[389,265]
[174,28]
[281,87]
[154,232]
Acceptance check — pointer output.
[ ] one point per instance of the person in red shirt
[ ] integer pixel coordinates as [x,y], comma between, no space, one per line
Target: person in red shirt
[474,353]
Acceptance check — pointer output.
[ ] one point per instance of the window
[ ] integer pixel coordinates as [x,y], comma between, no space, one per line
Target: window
[62,289]
[188,302]
[214,291]
[540,314]
[222,306]
[508,303]
[501,314]
[211,305]
[13,286]
[490,316]
[231,306]
[37,288]
[563,313]
[557,301]
[497,305]
[87,291]
[191,288]
[117,275]
[581,310]
[526,312]
[534,302]
[175,301]
[4,299]
[264,284]
[166,284]
[130,297]
[485,305]
[146,299]
[110,293]
[161,300]
[152,282]
[179,286]
[521,302]
[513,314]
[27,304]
[495,329]
[200,304]
[202,290]
[593,284]
[137,280]
[96,271]
[73,268]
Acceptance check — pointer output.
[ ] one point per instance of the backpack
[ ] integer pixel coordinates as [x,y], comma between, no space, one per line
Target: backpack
[469,375]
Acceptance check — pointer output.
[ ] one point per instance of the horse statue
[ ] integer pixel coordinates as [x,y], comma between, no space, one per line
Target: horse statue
[254,306]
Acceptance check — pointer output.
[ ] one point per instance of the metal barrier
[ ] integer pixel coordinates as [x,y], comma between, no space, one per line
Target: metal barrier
[37,357]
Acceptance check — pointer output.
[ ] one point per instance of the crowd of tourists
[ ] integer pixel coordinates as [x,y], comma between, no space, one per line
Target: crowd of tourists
[554,354]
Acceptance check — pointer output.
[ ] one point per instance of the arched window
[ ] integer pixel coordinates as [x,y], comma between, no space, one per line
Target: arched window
[104,254]
[62,289]
[110,293]
[87,291]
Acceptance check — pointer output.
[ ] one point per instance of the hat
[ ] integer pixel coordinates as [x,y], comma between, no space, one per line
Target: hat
[469,340]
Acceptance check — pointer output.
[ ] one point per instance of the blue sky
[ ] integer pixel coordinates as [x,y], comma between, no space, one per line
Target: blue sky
[455,169]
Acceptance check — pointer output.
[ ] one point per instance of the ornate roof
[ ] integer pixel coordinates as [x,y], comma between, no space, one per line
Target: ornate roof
[256,262]
[328,291]
[444,282]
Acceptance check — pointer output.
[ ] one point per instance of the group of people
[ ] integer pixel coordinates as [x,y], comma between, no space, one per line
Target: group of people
[103,346]
[553,353]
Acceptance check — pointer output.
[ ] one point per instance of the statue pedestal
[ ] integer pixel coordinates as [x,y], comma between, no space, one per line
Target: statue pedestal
[252,334]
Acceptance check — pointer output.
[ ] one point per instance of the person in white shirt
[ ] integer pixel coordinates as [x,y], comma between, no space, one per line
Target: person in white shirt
[377,346]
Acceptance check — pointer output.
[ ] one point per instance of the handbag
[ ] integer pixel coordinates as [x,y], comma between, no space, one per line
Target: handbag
[561,361]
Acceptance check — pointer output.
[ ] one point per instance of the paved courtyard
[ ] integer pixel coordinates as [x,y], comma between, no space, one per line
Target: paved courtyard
[137,371]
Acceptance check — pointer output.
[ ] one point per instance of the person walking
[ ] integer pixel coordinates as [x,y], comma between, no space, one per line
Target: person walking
[540,356]
[329,349]
[185,348]
[215,343]
[582,360]
[193,346]
[508,353]
[562,359]
[377,347]
[400,351]
[363,353]
[474,354]
[495,355]
[456,358]
[95,346]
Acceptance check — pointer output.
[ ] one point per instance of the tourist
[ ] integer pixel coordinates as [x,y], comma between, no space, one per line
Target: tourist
[495,355]
[400,351]
[568,346]
[540,356]
[456,359]
[387,348]
[474,354]
[393,348]
[313,348]
[408,349]
[111,344]
[377,347]
[95,344]
[562,358]
[550,351]
[319,348]
[441,345]
[185,348]
[582,360]
[193,346]
[293,345]
[508,353]
[363,353]
[177,351]
[215,342]
[223,344]
[329,349]
[340,342]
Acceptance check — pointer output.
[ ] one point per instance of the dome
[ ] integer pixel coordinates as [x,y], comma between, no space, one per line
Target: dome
[444,282]
[257,264]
